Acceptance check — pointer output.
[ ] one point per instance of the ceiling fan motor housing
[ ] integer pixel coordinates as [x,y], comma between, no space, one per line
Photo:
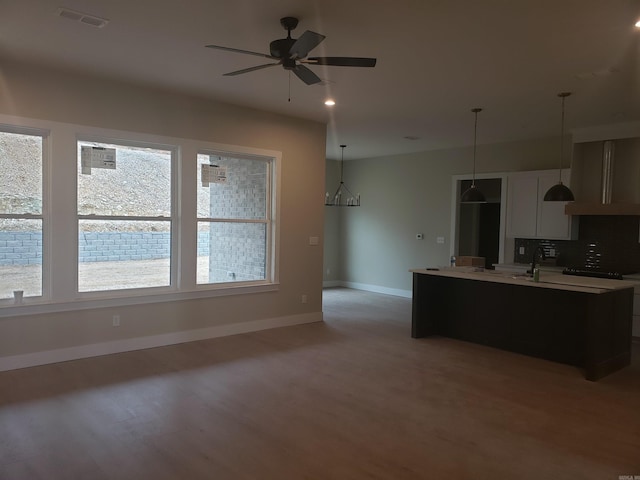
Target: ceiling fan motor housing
[280,48]
[289,23]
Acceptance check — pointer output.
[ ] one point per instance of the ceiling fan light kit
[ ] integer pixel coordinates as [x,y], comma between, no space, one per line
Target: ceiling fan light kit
[292,53]
[472,194]
[343,196]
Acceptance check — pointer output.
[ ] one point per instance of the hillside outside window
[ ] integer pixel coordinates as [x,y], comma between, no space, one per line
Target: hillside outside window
[125,216]
[22,161]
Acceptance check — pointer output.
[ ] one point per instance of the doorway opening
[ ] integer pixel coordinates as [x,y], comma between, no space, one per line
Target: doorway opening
[479,227]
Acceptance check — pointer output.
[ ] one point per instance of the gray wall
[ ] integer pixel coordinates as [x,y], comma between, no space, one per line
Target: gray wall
[332,258]
[407,194]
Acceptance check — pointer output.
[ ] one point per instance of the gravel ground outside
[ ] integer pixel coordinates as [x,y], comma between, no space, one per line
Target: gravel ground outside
[94,275]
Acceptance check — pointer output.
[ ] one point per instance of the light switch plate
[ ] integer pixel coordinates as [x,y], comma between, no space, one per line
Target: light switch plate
[440,240]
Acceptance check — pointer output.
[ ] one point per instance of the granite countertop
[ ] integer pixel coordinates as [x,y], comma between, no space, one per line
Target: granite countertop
[526,266]
[548,279]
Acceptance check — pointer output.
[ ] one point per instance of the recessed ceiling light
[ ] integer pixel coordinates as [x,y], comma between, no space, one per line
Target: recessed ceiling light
[638,24]
[329,103]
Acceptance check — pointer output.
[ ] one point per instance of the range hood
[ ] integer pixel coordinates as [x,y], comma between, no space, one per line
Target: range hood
[582,208]
[627,175]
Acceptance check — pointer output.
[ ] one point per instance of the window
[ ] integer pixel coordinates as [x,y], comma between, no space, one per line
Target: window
[120,223]
[234,218]
[125,216]
[21,213]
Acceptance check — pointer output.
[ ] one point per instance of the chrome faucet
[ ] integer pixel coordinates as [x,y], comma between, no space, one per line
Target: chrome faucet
[533,259]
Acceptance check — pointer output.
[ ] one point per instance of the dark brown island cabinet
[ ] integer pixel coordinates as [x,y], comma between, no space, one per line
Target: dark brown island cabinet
[585,326]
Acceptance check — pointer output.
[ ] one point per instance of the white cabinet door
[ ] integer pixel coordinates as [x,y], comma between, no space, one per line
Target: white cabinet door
[522,204]
[528,215]
[552,223]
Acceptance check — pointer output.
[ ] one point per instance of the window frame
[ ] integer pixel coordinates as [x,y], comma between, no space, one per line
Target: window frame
[60,198]
[271,184]
[173,219]
[45,212]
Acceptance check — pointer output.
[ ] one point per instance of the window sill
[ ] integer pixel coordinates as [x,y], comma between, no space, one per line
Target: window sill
[33,306]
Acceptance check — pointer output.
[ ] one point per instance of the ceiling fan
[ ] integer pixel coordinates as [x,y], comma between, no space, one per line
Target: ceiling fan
[292,53]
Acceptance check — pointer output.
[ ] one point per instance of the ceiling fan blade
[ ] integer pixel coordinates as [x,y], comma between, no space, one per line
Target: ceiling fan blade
[342,61]
[237,50]
[306,75]
[251,69]
[303,45]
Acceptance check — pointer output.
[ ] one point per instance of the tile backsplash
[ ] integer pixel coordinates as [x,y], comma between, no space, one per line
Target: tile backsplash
[605,243]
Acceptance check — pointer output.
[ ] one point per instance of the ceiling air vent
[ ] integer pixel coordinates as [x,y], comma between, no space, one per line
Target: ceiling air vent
[82,17]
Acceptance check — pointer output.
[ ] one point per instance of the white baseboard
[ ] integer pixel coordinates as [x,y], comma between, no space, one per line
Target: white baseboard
[118,346]
[369,288]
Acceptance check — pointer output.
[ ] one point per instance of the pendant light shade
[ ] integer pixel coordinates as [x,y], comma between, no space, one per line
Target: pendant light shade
[560,192]
[472,194]
[343,196]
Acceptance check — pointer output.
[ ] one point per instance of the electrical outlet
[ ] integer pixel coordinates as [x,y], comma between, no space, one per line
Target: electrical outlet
[304,299]
[521,251]
[440,240]
[116,320]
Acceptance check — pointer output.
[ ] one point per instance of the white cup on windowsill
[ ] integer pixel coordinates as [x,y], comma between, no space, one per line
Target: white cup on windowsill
[17,296]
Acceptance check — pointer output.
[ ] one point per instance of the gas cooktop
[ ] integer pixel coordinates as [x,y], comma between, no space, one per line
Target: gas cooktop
[592,273]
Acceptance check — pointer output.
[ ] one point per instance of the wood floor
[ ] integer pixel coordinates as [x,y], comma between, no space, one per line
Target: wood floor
[351,398]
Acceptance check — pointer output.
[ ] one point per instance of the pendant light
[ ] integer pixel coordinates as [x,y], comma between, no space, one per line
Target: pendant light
[560,192]
[343,196]
[472,194]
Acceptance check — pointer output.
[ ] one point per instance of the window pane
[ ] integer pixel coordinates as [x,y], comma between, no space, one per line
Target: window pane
[20,173]
[138,183]
[231,252]
[20,257]
[240,194]
[115,255]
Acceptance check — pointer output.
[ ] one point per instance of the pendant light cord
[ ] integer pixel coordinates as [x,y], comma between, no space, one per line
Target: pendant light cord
[562,95]
[475,137]
[561,138]
[472,194]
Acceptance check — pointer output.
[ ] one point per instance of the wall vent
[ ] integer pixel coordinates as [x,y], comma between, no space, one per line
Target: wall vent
[82,17]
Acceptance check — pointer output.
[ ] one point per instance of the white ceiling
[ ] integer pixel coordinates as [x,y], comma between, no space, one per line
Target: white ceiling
[437,59]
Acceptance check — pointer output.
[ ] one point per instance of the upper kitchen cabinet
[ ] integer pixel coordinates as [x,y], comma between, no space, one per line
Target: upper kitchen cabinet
[528,215]
[522,204]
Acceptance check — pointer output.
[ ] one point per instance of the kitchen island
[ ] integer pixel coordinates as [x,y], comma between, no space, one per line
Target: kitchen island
[585,322]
